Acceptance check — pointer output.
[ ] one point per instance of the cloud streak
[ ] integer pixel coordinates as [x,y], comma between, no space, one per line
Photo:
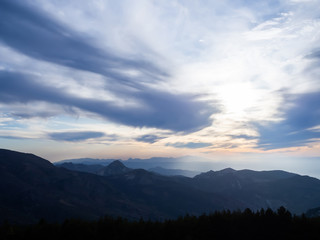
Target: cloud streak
[75,136]
[191,145]
[160,109]
[301,114]
[36,35]
[149,138]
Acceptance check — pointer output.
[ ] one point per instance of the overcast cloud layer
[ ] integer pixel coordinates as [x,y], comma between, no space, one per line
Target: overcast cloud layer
[160,77]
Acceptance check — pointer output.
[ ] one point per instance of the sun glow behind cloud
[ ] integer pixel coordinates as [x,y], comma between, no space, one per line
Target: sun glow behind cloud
[218,79]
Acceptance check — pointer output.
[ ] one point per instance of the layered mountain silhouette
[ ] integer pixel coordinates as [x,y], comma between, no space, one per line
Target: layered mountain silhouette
[80,167]
[174,172]
[103,170]
[114,168]
[314,212]
[166,165]
[265,189]
[33,188]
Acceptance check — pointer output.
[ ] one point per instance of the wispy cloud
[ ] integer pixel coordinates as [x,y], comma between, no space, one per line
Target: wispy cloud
[34,34]
[75,136]
[149,138]
[160,109]
[301,114]
[244,136]
[191,145]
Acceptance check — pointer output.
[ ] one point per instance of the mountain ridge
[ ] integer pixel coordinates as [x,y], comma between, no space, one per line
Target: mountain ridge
[114,168]
[184,162]
[34,188]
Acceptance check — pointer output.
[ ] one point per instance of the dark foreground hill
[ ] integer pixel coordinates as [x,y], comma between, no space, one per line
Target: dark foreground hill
[33,188]
[265,189]
[80,167]
[246,188]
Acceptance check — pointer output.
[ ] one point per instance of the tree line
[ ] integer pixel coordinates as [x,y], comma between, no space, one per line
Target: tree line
[247,224]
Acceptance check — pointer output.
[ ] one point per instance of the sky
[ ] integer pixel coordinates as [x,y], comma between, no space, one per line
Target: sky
[234,81]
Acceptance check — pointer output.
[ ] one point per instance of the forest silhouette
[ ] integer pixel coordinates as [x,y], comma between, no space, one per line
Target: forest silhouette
[262,224]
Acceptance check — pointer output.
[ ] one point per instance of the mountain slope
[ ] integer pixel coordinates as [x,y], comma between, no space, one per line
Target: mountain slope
[314,212]
[263,189]
[173,172]
[185,162]
[174,195]
[80,167]
[33,188]
[114,168]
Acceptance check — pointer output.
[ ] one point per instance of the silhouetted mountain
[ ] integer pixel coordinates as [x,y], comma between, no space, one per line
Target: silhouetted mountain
[314,212]
[173,195]
[263,189]
[33,188]
[86,161]
[246,175]
[104,170]
[185,162]
[114,168]
[173,172]
[79,167]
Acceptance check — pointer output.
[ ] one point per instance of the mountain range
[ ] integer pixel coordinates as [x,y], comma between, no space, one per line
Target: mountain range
[153,164]
[33,188]
[99,168]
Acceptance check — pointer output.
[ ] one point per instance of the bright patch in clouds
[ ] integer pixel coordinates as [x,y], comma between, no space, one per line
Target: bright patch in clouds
[170,77]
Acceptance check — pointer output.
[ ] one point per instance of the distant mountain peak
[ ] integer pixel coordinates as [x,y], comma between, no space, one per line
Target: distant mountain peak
[227,170]
[208,174]
[114,168]
[211,173]
[116,164]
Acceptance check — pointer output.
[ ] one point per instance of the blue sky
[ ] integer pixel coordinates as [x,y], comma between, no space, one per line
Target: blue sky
[222,80]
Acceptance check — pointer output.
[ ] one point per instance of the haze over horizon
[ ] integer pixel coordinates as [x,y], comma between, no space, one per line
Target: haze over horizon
[236,82]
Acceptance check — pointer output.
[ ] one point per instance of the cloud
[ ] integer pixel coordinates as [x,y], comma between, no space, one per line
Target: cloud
[159,109]
[13,137]
[93,61]
[192,145]
[149,138]
[302,113]
[313,68]
[75,136]
[314,55]
[244,136]
[36,35]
